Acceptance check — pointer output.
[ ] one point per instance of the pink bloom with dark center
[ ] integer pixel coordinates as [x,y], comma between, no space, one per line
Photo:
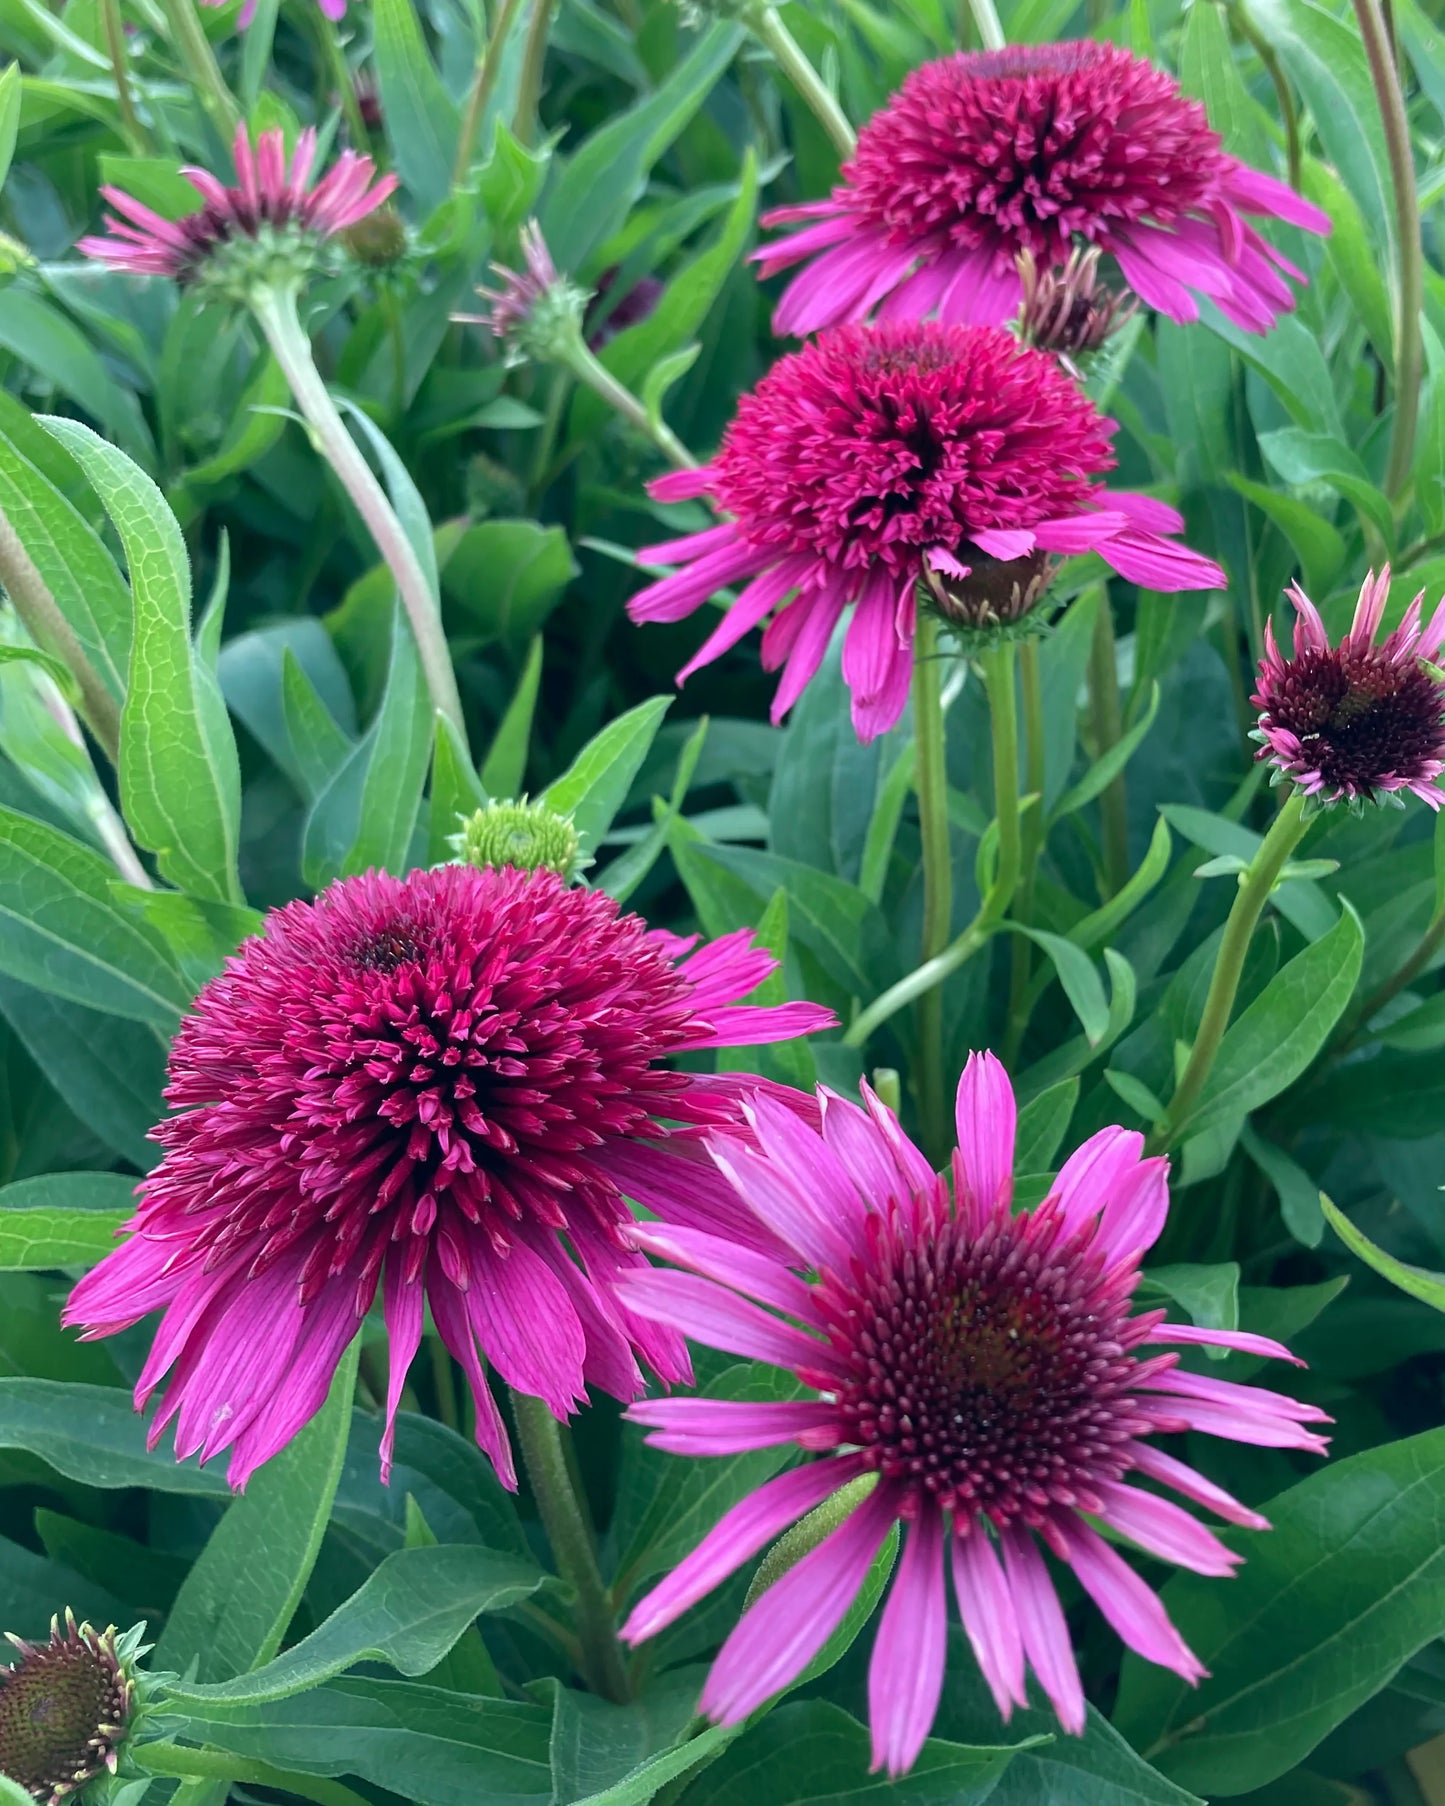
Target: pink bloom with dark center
[884,457]
[987,154]
[1362,717]
[268,197]
[984,1366]
[422,1084]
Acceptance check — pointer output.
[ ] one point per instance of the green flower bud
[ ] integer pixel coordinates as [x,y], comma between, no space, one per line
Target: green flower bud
[529,836]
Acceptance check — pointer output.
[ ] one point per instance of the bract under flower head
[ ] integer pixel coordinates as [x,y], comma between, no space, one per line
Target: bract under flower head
[1361,720]
[880,458]
[422,1084]
[65,1707]
[1034,148]
[985,1367]
[265,231]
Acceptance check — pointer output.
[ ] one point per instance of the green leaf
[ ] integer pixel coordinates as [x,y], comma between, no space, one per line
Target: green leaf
[1275,1039]
[790,1062]
[605,1752]
[94,1434]
[1136,1094]
[1299,1198]
[1042,1124]
[1079,977]
[627,871]
[64,933]
[1208,71]
[1420,1283]
[317,746]
[1210,1293]
[180,779]
[1320,546]
[1101,924]
[366,816]
[243,1590]
[595,785]
[9,116]
[455,791]
[256,425]
[421,121]
[1291,361]
[510,181]
[1346,1587]
[1354,258]
[505,767]
[1305,458]
[62,1219]
[608,171]
[38,333]
[1430,441]
[506,576]
[813,1753]
[1103,771]
[407,1614]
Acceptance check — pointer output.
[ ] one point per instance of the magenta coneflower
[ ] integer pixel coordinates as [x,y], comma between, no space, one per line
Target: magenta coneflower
[882,457]
[423,1083]
[1359,719]
[983,1366]
[269,223]
[991,153]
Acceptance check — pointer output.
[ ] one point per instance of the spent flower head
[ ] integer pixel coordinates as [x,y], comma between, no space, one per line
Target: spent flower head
[1067,310]
[421,1086]
[537,313]
[1036,148]
[66,1706]
[529,836]
[266,231]
[975,1374]
[1361,721]
[881,465]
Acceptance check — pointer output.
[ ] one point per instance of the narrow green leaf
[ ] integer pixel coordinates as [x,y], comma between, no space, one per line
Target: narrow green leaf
[595,785]
[1103,771]
[455,791]
[505,577]
[1320,546]
[318,746]
[1042,1124]
[626,872]
[9,116]
[1299,1198]
[421,121]
[505,767]
[35,330]
[1079,977]
[1419,1282]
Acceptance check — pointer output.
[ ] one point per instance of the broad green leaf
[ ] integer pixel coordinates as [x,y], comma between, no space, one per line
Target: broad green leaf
[62,1219]
[595,786]
[199,935]
[1354,258]
[1320,546]
[505,577]
[1430,440]
[31,1586]
[421,121]
[366,815]
[407,1614]
[1275,1039]
[9,116]
[63,931]
[1349,1583]
[505,767]
[243,1589]
[607,172]
[1208,70]
[35,330]
[1428,1287]
[1299,1198]
[509,182]
[1304,458]
[180,780]
[94,1434]
[1079,977]
[255,427]
[601,1751]
[1208,1292]
[1291,361]
[1041,1126]
[455,791]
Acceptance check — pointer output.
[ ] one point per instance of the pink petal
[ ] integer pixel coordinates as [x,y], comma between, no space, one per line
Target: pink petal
[715,1257]
[1133,1608]
[1042,1627]
[724,1426]
[863,1150]
[709,1314]
[1145,511]
[808,1160]
[986,1119]
[1003,542]
[1242,1340]
[905,1675]
[682,1184]
[815,1232]
[403,1304]
[752,606]
[1159,564]
[1164,1529]
[528,1329]
[682,485]
[987,1608]
[448,1307]
[1156,1465]
[1257,192]
[813,631]
[1134,1216]
[1094,1173]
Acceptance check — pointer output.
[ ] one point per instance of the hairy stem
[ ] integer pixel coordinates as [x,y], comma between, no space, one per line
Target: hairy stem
[1254,888]
[275,311]
[565,1521]
[986,19]
[589,370]
[137,138]
[1410,277]
[484,83]
[770,31]
[220,1765]
[931,782]
[534,55]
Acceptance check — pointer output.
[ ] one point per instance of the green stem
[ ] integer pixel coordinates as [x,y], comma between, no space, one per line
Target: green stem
[104,818]
[334,63]
[220,1765]
[484,83]
[573,1550]
[990,30]
[1410,288]
[1283,94]
[930,778]
[136,136]
[589,370]
[1021,955]
[275,312]
[1108,726]
[1429,945]
[189,39]
[51,632]
[770,31]
[1255,886]
[534,56]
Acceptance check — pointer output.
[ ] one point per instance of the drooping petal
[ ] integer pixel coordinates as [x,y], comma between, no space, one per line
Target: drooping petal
[1042,1627]
[905,1675]
[990,1619]
[1132,1607]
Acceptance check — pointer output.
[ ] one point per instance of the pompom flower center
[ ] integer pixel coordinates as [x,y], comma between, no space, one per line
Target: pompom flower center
[1036,143]
[987,1373]
[872,445]
[1360,716]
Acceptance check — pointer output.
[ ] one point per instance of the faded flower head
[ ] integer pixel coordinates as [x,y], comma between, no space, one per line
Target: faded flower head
[1067,310]
[378,240]
[884,463]
[981,1372]
[1362,720]
[266,230]
[65,1707]
[536,312]
[422,1085]
[529,836]
[1036,148]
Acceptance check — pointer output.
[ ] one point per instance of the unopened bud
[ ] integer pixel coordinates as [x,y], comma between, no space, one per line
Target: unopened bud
[528,836]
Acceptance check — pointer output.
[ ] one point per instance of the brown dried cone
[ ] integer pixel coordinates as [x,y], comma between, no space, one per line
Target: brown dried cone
[1068,311]
[65,1708]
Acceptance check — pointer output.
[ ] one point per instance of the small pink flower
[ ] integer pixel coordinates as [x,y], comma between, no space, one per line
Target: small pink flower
[335,10]
[882,458]
[1360,718]
[422,1084]
[268,203]
[983,1365]
[988,154]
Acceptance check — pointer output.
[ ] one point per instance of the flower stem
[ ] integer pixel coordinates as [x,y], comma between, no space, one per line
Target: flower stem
[1032,836]
[573,1550]
[104,817]
[990,30]
[1410,287]
[1254,888]
[220,1765]
[588,369]
[534,55]
[189,39]
[136,136]
[275,311]
[762,17]
[1108,726]
[48,627]
[334,64]
[931,782]
[484,82]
